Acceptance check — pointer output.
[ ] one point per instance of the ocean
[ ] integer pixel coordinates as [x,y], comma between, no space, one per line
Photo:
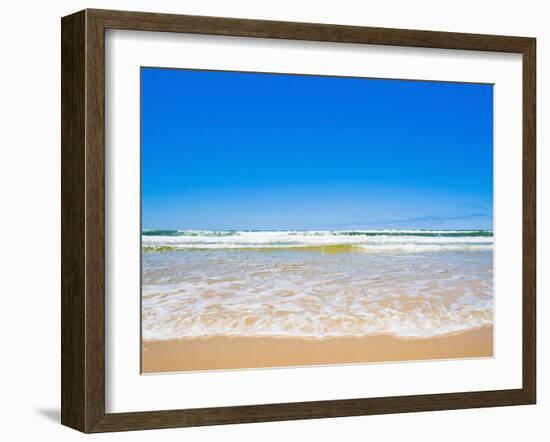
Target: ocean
[315,284]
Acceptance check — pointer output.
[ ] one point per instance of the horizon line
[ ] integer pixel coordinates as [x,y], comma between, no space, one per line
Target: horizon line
[312,230]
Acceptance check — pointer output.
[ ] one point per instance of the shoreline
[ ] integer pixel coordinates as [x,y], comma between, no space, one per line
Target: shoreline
[235,352]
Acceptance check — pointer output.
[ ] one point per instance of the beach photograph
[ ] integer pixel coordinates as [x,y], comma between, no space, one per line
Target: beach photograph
[303,220]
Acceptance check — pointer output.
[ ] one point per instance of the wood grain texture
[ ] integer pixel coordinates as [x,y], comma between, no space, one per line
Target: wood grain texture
[95,222]
[83,220]
[73,129]
[145,21]
[529,221]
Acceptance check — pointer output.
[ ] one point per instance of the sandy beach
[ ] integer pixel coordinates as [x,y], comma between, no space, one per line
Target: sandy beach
[222,353]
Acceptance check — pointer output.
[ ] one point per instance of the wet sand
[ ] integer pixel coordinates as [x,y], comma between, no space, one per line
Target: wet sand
[222,353]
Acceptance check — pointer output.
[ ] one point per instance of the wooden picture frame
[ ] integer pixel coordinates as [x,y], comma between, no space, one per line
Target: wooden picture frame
[83,220]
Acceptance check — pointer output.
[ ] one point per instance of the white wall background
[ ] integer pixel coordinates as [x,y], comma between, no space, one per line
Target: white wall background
[30,216]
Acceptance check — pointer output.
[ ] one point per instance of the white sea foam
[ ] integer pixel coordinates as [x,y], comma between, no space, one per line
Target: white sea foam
[412,241]
[404,291]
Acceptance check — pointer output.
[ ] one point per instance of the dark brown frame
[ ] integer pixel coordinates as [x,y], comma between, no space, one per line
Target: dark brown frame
[83,218]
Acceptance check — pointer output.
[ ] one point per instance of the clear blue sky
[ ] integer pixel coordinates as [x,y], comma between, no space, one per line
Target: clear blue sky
[231,150]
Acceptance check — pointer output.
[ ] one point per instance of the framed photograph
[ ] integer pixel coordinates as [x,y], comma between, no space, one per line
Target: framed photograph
[269,220]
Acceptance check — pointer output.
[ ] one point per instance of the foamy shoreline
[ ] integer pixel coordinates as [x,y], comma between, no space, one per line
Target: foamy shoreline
[186,295]
[300,288]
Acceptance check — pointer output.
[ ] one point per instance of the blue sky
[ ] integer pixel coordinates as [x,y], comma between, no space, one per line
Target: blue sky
[232,150]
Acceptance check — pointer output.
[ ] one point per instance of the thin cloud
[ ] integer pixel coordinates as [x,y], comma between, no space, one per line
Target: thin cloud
[435,218]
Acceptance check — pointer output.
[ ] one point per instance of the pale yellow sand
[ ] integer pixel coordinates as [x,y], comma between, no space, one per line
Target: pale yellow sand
[218,353]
